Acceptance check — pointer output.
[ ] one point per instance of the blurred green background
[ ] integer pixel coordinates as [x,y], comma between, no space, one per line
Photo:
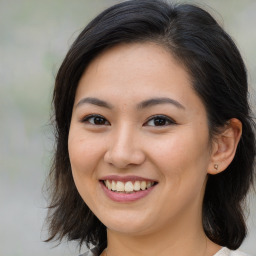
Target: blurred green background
[34,38]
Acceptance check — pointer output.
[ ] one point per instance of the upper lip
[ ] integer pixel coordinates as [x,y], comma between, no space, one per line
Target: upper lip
[126,178]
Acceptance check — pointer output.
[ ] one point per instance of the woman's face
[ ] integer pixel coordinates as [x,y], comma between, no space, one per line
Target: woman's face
[139,128]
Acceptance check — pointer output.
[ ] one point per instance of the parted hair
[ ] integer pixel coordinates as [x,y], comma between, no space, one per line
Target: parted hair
[218,76]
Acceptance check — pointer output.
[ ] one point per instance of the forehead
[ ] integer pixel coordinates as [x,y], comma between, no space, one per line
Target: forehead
[135,72]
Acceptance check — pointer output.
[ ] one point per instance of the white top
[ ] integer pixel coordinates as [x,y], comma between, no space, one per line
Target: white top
[222,252]
[226,252]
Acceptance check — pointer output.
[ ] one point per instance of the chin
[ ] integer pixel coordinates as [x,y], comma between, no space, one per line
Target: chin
[127,223]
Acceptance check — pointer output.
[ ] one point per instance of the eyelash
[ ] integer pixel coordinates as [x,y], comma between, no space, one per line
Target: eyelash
[161,117]
[152,118]
[87,118]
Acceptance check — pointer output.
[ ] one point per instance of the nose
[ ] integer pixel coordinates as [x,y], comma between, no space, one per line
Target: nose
[124,149]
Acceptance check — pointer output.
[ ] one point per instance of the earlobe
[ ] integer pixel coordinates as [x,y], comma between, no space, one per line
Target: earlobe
[224,146]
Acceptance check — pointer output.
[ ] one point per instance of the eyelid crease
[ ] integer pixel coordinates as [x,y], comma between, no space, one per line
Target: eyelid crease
[169,119]
[160,116]
[87,117]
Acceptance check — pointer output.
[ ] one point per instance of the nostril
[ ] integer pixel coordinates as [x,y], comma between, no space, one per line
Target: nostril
[123,158]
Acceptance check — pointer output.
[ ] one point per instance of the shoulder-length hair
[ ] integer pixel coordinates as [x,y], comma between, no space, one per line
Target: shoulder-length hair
[218,76]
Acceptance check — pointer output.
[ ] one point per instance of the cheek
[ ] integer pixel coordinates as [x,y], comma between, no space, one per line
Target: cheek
[182,154]
[84,151]
[84,157]
[182,162]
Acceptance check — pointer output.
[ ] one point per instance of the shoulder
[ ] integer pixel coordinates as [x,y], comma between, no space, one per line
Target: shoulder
[226,252]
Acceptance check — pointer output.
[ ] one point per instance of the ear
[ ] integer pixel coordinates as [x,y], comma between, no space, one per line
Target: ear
[224,146]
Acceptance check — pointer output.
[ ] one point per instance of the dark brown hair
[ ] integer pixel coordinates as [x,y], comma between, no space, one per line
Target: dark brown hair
[219,77]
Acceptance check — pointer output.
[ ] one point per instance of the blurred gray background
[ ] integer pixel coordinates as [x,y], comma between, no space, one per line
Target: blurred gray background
[34,38]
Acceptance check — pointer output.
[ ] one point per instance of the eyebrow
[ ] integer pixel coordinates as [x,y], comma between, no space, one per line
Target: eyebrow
[157,101]
[141,105]
[94,101]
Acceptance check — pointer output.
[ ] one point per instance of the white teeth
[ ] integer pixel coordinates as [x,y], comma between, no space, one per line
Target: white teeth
[113,185]
[108,185]
[128,186]
[119,186]
[149,184]
[143,185]
[136,185]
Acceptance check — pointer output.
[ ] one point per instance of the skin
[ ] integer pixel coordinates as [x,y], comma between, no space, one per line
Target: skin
[178,155]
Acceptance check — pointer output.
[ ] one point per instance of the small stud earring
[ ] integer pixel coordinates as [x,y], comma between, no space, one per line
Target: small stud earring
[216,167]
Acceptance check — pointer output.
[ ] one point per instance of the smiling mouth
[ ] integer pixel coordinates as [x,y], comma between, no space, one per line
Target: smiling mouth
[128,187]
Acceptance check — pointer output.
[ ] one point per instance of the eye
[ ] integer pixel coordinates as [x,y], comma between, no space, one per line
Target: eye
[160,120]
[96,120]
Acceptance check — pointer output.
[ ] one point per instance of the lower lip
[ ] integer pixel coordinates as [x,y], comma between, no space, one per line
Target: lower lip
[126,197]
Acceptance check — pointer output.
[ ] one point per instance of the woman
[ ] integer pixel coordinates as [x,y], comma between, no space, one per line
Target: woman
[155,140]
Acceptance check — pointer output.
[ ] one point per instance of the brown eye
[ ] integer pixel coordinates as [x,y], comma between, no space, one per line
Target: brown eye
[96,120]
[160,121]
